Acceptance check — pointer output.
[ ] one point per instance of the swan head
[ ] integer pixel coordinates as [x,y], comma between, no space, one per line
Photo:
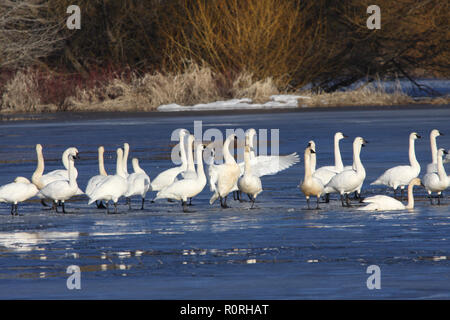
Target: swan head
[101,149]
[38,147]
[360,141]
[442,152]
[312,144]
[414,136]
[340,136]
[72,153]
[126,146]
[183,132]
[435,133]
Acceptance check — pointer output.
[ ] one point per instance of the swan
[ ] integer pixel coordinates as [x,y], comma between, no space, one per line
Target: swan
[224,177]
[19,190]
[432,167]
[311,186]
[338,165]
[95,180]
[168,176]
[41,180]
[138,183]
[385,203]
[436,181]
[113,186]
[266,165]
[249,183]
[400,176]
[349,180]
[186,188]
[61,190]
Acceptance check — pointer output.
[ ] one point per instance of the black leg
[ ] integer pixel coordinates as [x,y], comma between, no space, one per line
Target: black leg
[115,207]
[317,203]
[100,205]
[401,194]
[44,203]
[55,206]
[190,201]
[307,201]
[224,204]
[327,198]
[347,200]
[342,200]
[142,206]
[12,209]
[235,196]
[431,199]
[63,207]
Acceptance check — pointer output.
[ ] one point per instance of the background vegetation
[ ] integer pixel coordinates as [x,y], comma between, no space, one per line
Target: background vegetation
[137,54]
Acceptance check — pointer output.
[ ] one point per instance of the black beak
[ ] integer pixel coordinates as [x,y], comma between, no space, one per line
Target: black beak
[77,156]
[309,144]
[441,134]
[345,136]
[445,152]
[418,136]
[312,151]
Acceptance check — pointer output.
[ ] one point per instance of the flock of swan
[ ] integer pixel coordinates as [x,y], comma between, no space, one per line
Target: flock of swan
[186,181]
[346,180]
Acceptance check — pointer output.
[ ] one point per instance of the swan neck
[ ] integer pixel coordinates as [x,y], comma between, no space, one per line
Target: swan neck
[200,170]
[190,156]
[337,156]
[250,143]
[182,152]
[441,170]
[308,172]
[247,166]
[119,167]
[101,164]
[125,160]
[65,159]
[357,164]
[433,145]
[412,154]
[313,162]
[36,177]
[226,152]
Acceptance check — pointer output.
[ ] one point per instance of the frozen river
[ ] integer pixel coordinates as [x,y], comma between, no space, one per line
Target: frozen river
[278,251]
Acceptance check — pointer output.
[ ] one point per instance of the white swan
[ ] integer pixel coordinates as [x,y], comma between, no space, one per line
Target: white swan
[113,186]
[348,181]
[168,176]
[338,165]
[138,182]
[432,167]
[400,176]
[183,189]
[266,165]
[223,178]
[19,190]
[385,203]
[62,190]
[95,180]
[310,185]
[41,180]
[249,183]
[436,181]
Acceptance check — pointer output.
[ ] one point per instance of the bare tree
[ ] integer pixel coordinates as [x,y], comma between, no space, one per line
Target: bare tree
[26,33]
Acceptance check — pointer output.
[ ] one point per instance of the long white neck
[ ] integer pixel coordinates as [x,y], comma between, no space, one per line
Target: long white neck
[200,170]
[126,151]
[72,176]
[36,177]
[313,162]
[247,166]
[119,164]
[182,152]
[434,149]
[101,164]
[337,155]
[308,173]
[190,155]
[226,151]
[441,170]
[357,164]
[410,204]
[412,154]
[65,159]
[136,167]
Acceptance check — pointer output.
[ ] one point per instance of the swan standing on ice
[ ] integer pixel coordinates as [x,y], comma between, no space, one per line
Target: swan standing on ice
[95,180]
[19,190]
[400,176]
[138,183]
[113,186]
[349,180]
[249,183]
[224,177]
[385,203]
[183,189]
[265,165]
[432,167]
[437,181]
[169,176]
[62,190]
[41,180]
[311,186]
[325,173]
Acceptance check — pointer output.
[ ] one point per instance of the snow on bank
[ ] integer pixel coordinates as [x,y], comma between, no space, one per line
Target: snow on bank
[276,102]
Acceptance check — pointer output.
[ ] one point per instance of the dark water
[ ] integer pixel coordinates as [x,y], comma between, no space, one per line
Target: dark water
[278,251]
